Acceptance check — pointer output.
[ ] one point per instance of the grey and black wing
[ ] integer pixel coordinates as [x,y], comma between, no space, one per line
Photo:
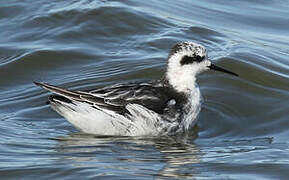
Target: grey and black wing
[153,96]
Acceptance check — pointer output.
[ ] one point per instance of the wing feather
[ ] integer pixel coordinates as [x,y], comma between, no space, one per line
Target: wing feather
[151,95]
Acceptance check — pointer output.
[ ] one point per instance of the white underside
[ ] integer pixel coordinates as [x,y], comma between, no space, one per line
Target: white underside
[90,120]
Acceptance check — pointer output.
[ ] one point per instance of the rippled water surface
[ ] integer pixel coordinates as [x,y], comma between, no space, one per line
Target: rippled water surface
[243,125]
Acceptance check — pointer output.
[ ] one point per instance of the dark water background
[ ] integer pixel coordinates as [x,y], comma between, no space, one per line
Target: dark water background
[243,125]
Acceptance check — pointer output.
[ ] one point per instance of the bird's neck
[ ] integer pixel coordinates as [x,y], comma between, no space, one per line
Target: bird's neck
[182,82]
[188,100]
[187,94]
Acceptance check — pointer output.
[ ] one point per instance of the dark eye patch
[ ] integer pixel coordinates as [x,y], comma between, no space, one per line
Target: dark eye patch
[190,60]
[199,58]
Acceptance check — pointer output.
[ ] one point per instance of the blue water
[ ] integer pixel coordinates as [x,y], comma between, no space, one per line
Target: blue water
[242,128]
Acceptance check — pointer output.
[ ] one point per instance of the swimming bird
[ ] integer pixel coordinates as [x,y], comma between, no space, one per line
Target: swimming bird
[168,106]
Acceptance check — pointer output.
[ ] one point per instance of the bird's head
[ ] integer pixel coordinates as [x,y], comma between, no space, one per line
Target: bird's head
[185,61]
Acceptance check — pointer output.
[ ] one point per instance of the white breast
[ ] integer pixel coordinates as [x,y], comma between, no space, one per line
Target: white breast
[192,109]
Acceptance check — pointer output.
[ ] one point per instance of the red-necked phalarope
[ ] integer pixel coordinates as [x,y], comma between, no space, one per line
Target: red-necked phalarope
[162,107]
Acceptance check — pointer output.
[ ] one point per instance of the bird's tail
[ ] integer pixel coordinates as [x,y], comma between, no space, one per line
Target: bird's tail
[62,94]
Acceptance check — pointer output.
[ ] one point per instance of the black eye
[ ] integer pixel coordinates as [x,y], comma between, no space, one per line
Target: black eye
[199,58]
[187,60]
[190,60]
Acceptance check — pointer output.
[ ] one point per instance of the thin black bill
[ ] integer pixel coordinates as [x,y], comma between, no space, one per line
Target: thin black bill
[216,68]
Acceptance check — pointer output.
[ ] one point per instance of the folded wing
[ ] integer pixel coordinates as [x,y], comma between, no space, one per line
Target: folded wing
[152,95]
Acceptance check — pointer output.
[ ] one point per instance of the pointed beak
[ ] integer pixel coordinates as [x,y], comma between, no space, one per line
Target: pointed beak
[216,68]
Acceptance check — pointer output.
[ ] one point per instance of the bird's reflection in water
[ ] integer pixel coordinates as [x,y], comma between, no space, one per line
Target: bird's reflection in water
[178,158]
[161,157]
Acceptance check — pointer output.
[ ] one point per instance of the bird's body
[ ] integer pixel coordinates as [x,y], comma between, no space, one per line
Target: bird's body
[132,109]
[168,106]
